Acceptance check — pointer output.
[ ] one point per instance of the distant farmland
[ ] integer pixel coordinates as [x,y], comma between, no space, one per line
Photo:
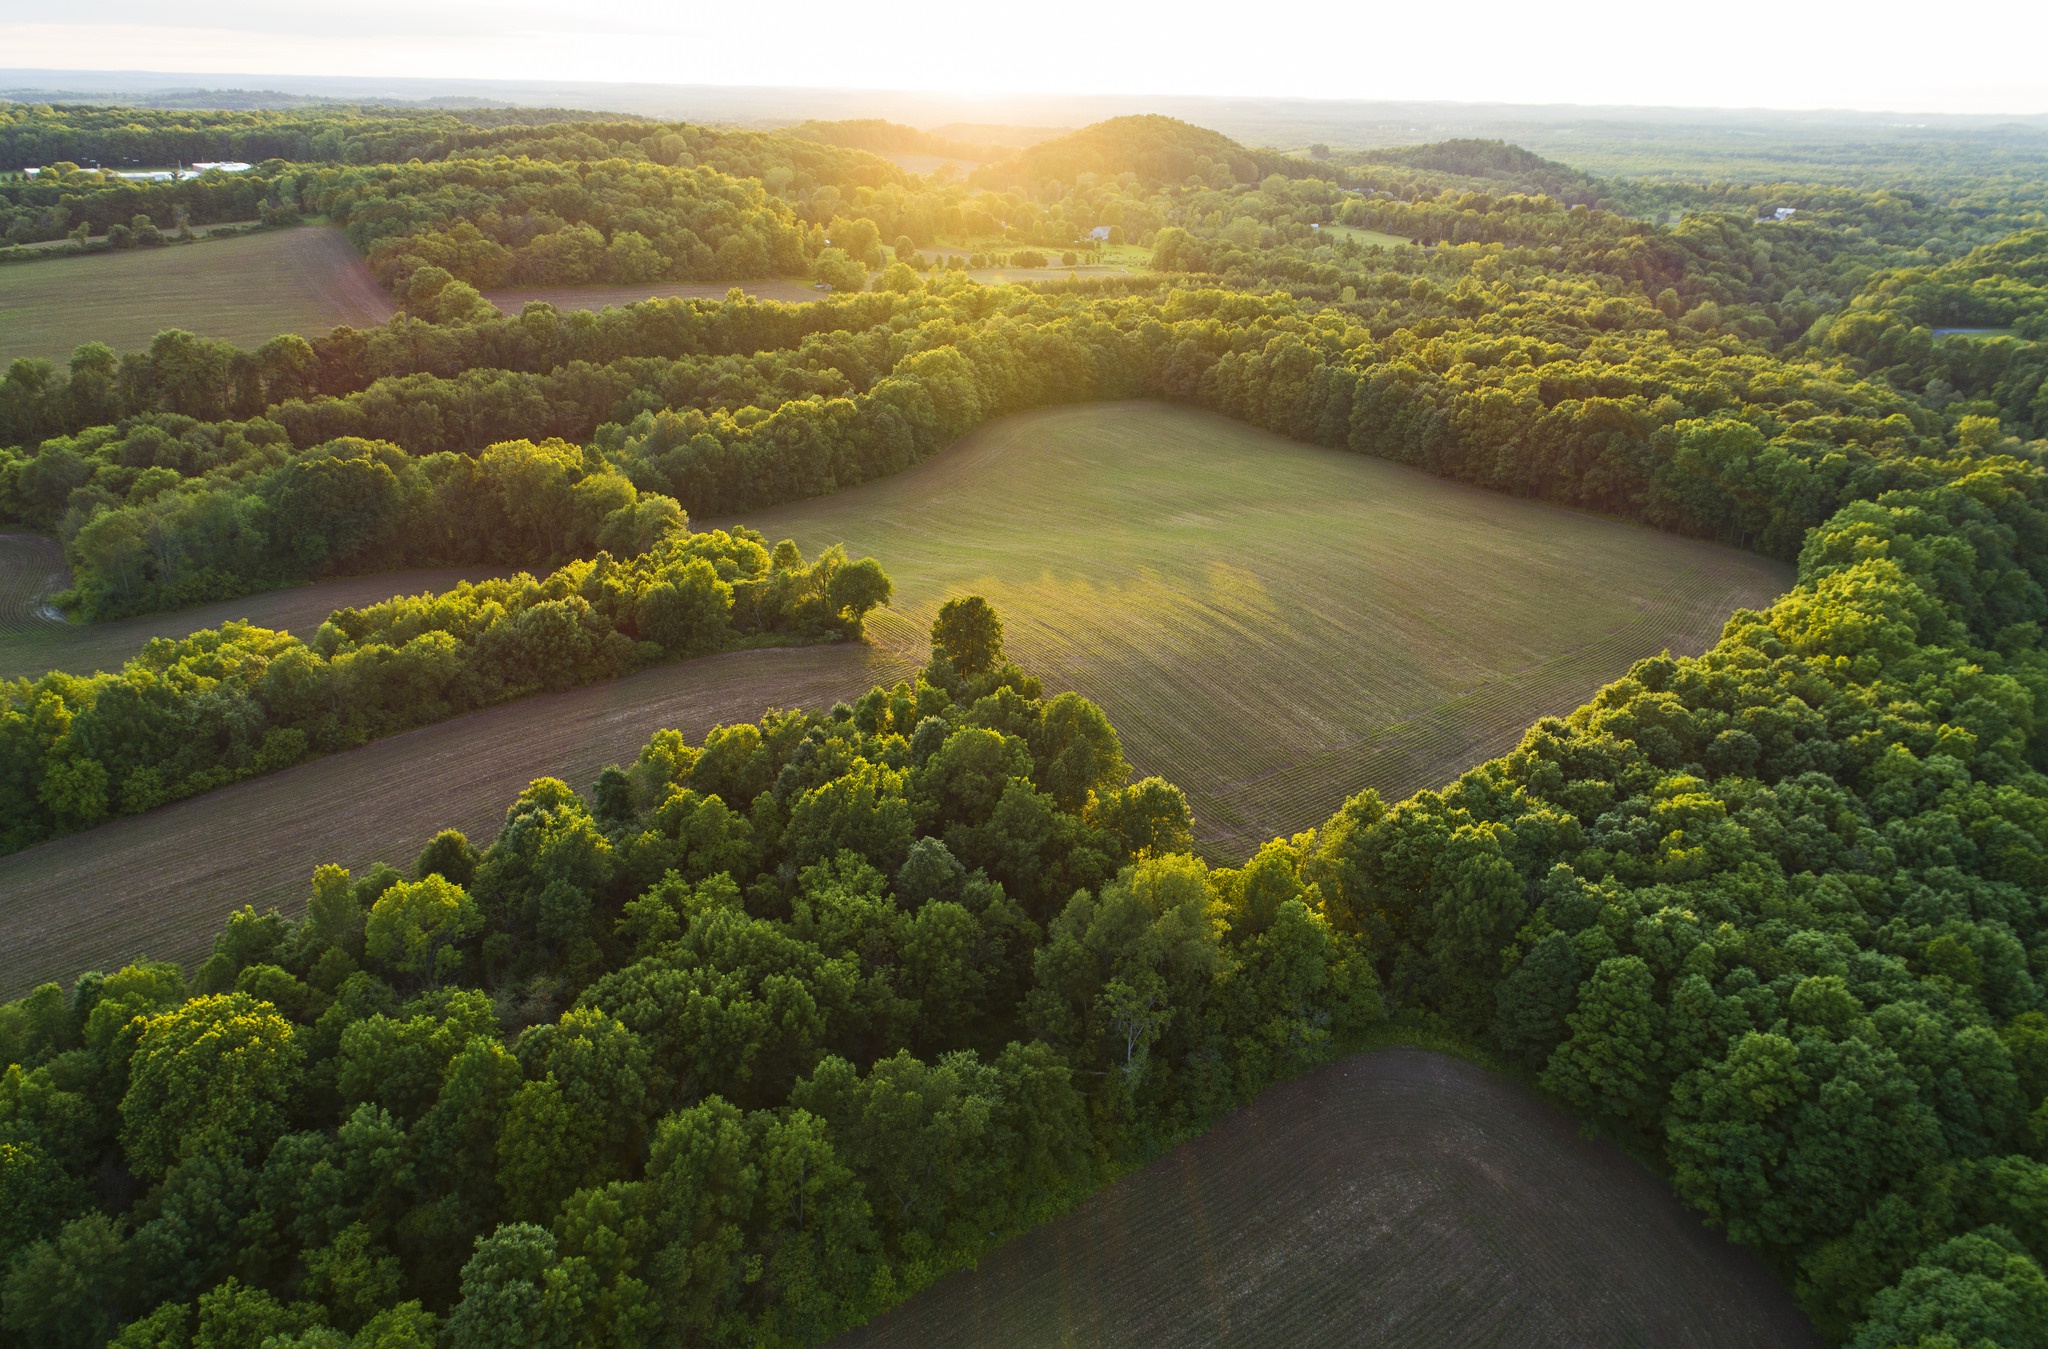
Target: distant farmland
[1398,1198]
[604,297]
[162,884]
[1271,625]
[246,288]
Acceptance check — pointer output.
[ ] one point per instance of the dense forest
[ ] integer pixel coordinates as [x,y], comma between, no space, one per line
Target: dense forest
[749,1039]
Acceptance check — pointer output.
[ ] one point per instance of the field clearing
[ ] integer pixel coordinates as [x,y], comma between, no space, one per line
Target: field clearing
[30,645]
[162,884]
[31,568]
[608,297]
[1393,1198]
[1366,238]
[247,289]
[1271,625]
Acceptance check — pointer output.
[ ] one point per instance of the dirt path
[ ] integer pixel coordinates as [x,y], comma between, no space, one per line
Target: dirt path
[1396,1198]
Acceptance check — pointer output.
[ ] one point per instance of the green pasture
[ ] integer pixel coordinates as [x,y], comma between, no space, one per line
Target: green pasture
[246,288]
[1271,625]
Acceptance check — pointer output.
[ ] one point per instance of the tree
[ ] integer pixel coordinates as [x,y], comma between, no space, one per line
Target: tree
[1610,1062]
[840,271]
[581,1121]
[508,1300]
[1533,1001]
[816,1229]
[413,926]
[212,1076]
[1135,1009]
[1077,751]
[448,855]
[67,1291]
[1981,1288]
[856,588]
[969,634]
[702,1185]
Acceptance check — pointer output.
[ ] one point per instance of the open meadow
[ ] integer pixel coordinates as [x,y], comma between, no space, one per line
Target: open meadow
[1271,625]
[1393,1198]
[1365,238]
[163,883]
[247,288]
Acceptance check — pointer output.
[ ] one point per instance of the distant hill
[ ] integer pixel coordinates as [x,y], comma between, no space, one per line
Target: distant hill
[1160,150]
[1497,163]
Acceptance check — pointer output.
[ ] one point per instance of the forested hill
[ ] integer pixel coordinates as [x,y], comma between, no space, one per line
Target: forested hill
[1160,151]
[1500,165]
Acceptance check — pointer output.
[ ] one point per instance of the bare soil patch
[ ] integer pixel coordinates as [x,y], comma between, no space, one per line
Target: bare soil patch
[1397,1198]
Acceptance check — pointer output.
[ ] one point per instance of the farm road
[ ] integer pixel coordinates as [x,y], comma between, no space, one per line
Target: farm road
[162,884]
[1398,1198]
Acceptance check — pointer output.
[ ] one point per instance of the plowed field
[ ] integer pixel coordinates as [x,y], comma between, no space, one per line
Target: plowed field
[1398,1198]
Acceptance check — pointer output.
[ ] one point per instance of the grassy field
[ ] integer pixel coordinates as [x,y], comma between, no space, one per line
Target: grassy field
[31,643]
[1397,1198]
[1271,625]
[1366,238]
[162,884]
[248,289]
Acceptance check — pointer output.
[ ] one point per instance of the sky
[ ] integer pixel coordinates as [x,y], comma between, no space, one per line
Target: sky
[1876,55]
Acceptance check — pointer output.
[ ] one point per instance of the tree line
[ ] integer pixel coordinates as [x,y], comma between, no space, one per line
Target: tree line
[188,716]
[1588,402]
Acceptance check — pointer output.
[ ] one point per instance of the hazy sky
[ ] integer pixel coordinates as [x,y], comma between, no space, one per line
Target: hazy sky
[1959,57]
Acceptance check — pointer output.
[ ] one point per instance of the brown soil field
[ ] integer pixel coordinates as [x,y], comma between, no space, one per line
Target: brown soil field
[32,646]
[606,297]
[1397,1198]
[162,884]
[247,289]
